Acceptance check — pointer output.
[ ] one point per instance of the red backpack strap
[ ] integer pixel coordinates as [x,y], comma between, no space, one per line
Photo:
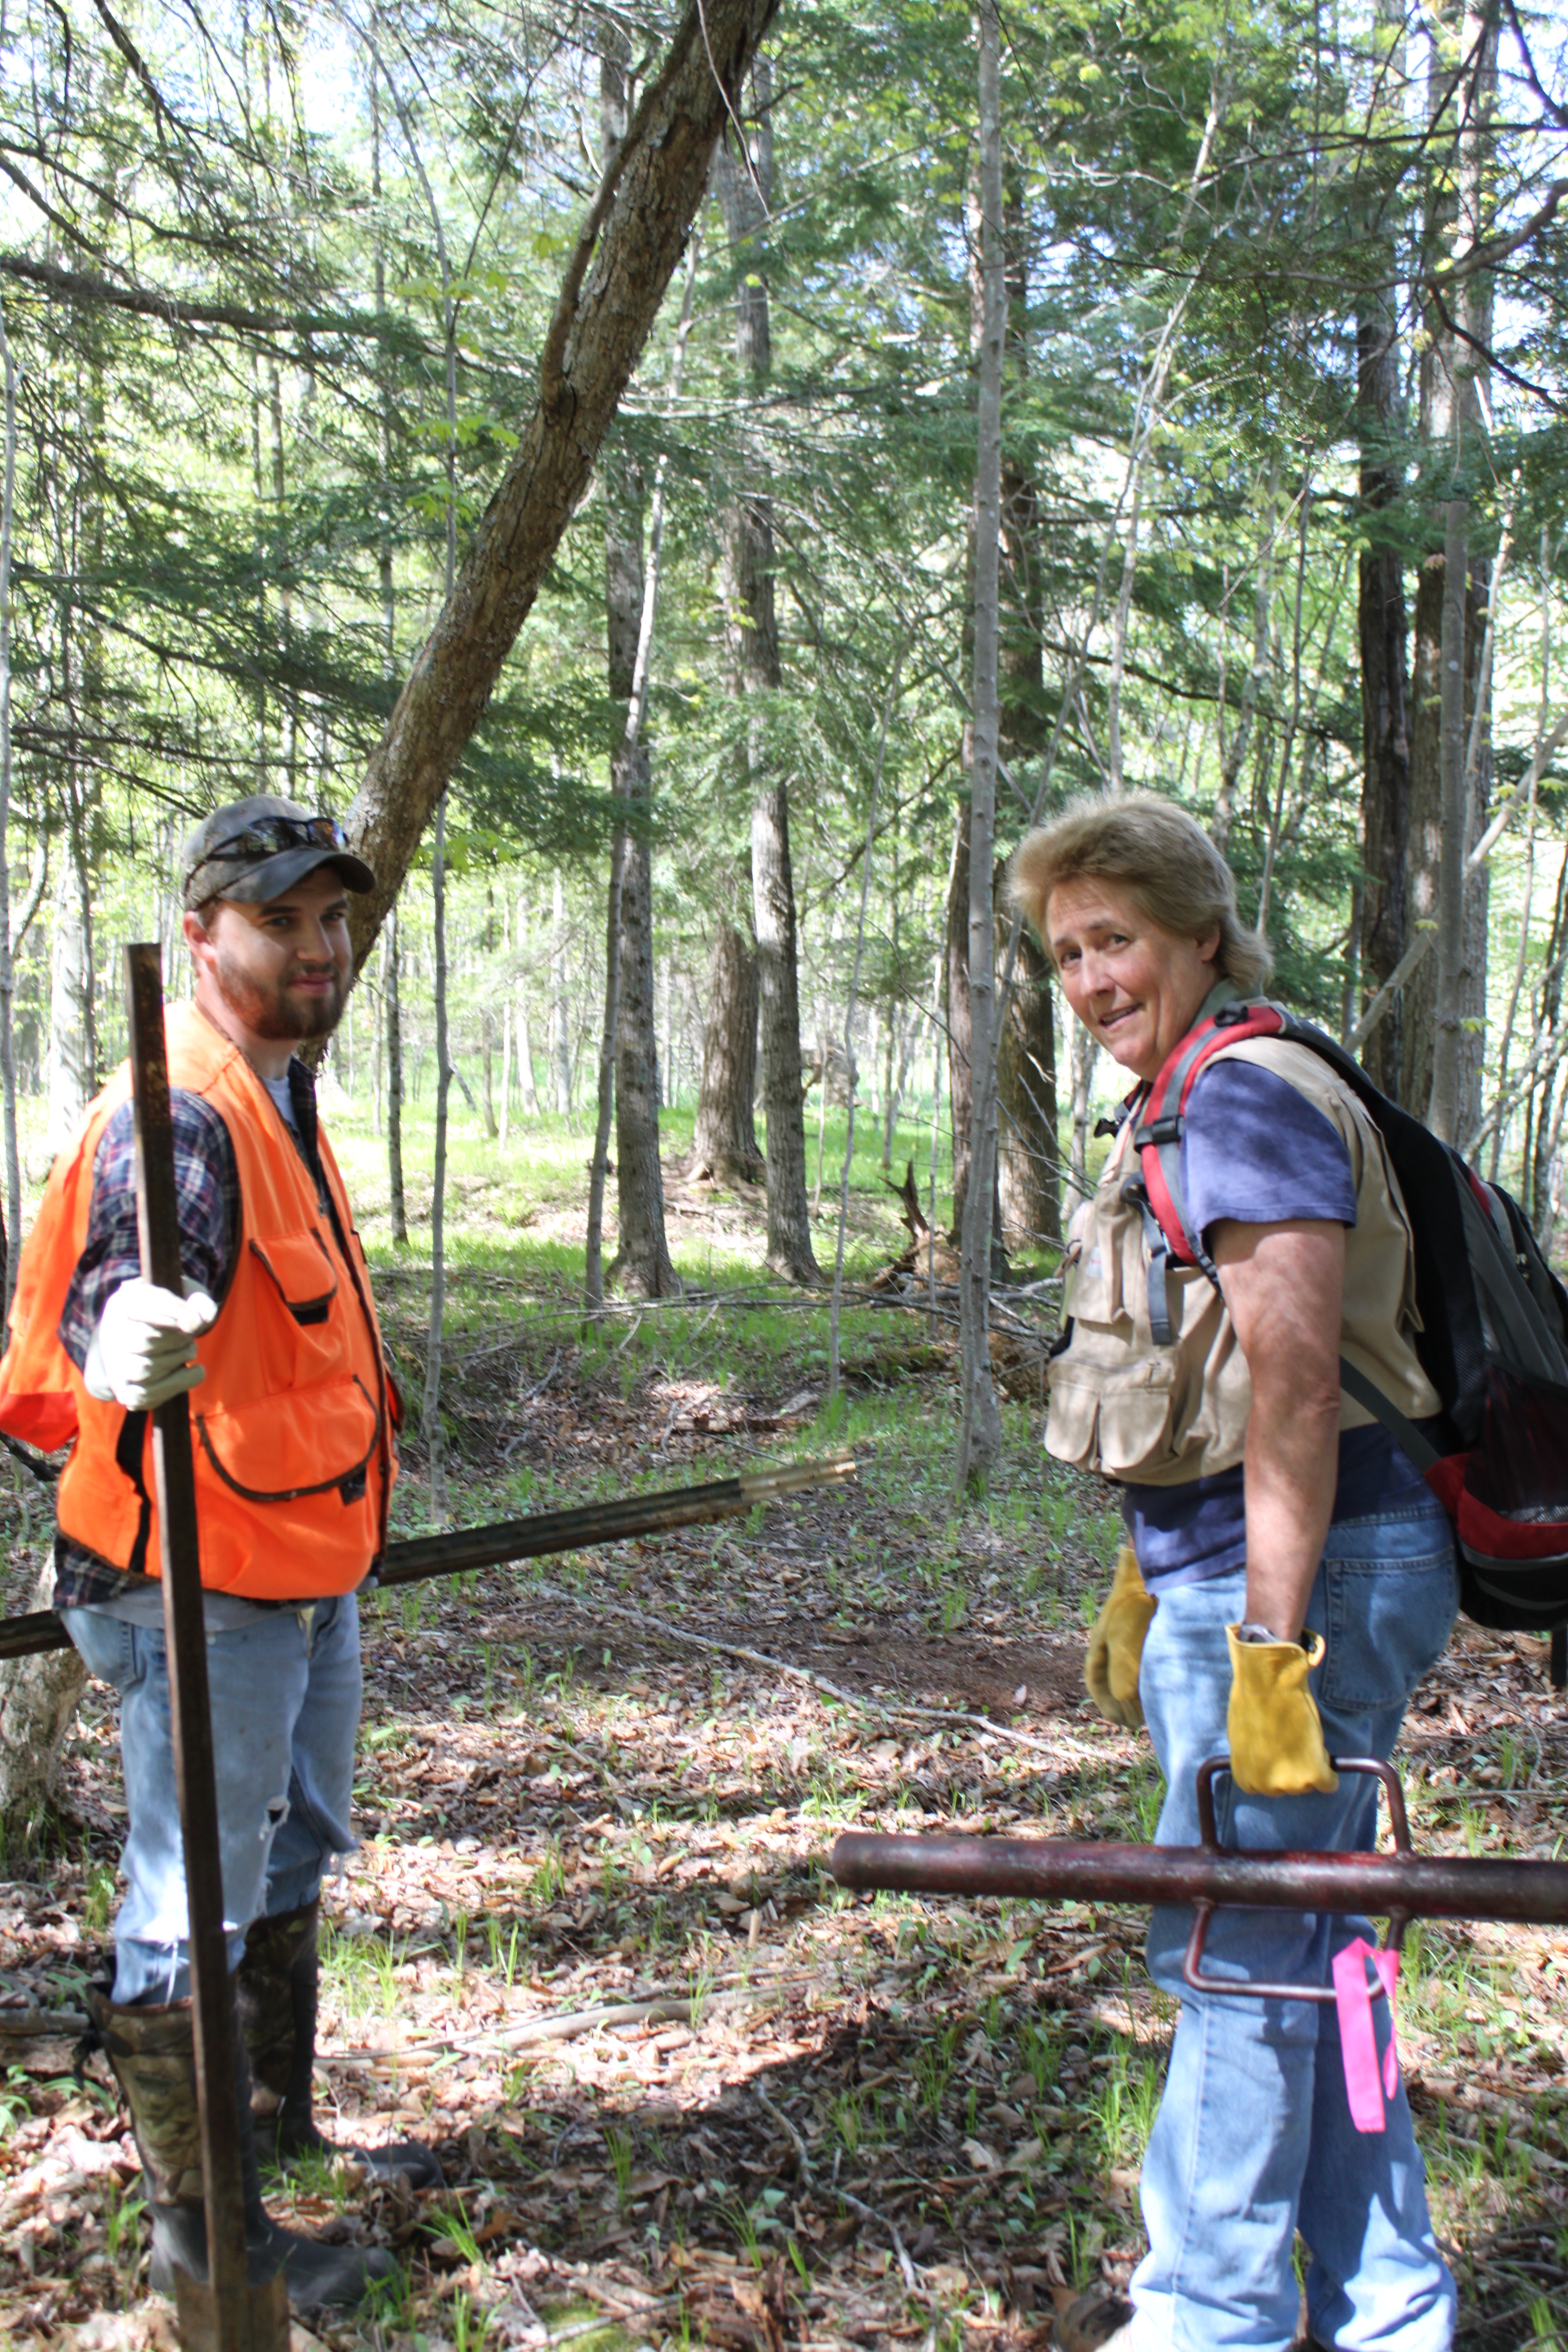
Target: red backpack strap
[1160,1192]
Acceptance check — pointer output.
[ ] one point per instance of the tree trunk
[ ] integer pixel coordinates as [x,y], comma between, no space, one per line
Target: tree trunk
[754,635]
[391,957]
[1443,1106]
[1452,412]
[610,299]
[430,1414]
[724,1147]
[641,1264]
[980,1440]
[487,1066]
[72,1051]
[560,1032]
[525,1079]
[1029,1190]
[1386,714]
[1027,1142]
[13,1217]
[39,1700]
[956,938]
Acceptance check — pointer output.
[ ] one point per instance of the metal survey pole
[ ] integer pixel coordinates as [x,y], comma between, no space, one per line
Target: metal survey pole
[543,1533]
[226,2313]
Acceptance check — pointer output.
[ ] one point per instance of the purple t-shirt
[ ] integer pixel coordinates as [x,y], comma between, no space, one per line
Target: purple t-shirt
[1254,1149]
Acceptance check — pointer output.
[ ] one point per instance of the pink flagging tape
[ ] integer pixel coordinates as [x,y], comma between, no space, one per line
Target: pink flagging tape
[1365,2083]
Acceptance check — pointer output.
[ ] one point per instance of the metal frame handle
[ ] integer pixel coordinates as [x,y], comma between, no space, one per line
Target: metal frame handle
[1208,1834]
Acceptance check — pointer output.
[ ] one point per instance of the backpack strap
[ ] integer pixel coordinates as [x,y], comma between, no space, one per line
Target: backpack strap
[1410,1440]
[1224,1019]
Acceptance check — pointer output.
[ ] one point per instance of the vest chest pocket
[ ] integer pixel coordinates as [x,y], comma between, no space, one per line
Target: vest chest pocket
[1094,1292]
[299,1323]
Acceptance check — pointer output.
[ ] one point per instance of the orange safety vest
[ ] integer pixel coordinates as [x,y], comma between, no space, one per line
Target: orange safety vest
[292,1427]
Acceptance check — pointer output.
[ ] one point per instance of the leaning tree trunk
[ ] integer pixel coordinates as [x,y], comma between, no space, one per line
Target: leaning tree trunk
[755,652]
[724,1147]
[615,283]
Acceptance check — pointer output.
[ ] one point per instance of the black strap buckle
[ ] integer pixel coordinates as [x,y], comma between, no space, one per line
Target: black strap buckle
[1166,1129]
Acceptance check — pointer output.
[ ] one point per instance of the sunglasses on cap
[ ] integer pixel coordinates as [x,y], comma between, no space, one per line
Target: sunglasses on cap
[265,835]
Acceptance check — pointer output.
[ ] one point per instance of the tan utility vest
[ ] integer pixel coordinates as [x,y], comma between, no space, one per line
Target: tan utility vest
[1125,1406]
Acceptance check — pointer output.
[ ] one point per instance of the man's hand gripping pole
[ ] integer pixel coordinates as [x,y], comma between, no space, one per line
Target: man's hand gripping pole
[225,2313]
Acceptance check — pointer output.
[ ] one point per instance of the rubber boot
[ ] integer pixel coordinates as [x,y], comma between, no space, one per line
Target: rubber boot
[152,2053]
[277,1990]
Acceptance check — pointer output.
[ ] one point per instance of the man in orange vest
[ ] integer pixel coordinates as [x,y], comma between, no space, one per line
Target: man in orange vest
[292,1419]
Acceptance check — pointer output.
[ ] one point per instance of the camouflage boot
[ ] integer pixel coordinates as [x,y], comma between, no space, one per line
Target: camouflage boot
[1092,2322]
[275,1991]
[152,2053]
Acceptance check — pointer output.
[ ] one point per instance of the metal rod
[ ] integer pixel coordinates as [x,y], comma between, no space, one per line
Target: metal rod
[529,1538]
[1418,1886]
[225,2312]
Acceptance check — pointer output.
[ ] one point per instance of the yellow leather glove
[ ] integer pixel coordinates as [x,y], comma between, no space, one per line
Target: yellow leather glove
[1116,1645]
[1276,1738]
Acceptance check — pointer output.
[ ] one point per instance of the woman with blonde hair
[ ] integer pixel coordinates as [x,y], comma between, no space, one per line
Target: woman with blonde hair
[1287,1580]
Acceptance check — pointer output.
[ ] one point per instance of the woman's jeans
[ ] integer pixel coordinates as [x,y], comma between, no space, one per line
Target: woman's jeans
[1254,2140]
[285,1690]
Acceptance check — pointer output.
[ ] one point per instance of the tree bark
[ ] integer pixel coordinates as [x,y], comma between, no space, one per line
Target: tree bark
[1443,1106]
[72,1051]
[390,958]
[560,1032]
[980,1440]
[1028,1147]
[724,1147]
[1453,432]
[525,1078]
[614,285]
[752,620]
[430,1412]
[642,1262]
[1026,1142]
[13,1217]
[1386,714]
[39,1700]
[956,943]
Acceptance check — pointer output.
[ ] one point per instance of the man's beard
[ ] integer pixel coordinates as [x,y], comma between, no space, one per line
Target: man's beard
[273,1012]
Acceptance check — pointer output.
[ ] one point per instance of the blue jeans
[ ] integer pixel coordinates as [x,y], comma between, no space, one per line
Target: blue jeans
[285,1692]
[1254,2140]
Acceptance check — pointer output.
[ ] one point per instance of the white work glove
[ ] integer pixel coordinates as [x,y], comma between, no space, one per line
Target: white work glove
[142,1352]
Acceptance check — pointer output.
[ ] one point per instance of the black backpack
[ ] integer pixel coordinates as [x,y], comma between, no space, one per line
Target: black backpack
[1495,1338]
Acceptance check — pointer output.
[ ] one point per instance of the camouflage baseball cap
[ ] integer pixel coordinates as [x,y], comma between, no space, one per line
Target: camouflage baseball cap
[258,848]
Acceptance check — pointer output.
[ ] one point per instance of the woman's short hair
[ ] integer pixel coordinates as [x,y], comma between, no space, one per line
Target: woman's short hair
[1160,857]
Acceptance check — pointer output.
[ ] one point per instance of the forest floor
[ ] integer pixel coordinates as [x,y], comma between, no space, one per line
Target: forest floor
[685,2089]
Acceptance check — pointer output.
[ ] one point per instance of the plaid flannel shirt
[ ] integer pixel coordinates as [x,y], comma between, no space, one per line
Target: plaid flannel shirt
[206,1185]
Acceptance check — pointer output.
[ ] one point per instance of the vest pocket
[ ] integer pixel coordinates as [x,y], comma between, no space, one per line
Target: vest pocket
[1117,1419]
[284,1447]
[302,1273]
